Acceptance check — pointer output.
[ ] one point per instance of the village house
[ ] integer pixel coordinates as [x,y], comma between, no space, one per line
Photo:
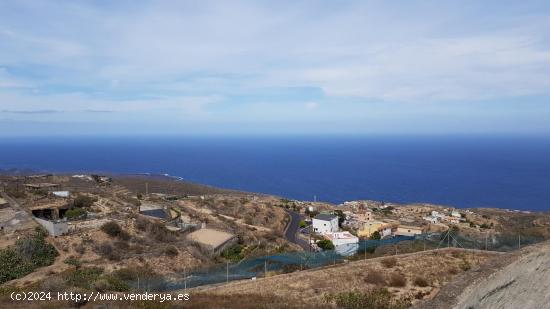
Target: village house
[384,228]
[341,238]
[324,223]
[408,230]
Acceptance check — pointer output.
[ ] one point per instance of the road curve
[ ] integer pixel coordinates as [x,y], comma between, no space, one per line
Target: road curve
[292,229]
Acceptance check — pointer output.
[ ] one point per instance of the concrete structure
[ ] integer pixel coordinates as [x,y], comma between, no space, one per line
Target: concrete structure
[64,194]
[3,203]
[213,240]
[44,185]
[345,243]
[323,223]
[408,230]
[341,238]
[54,228]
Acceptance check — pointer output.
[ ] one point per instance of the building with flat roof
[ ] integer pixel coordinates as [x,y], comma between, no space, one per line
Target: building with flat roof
[324,223]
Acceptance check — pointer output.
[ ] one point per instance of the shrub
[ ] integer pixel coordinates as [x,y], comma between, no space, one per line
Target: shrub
[303,224]
[233,253]
[421,282]
[160,233]
[80,248]
[110,283]
[111,228]
[325,244]
[76,213]
[171,251]
[375,299]
[72,261]
[376,278]
[465,265]
[397,280]
[83,201]
[36,250]
[142,224]
[376,235]
[12,265]
[83,278]
[106,250]
[389,262]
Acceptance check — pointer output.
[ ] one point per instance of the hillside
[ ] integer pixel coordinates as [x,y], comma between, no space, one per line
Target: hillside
[516,280]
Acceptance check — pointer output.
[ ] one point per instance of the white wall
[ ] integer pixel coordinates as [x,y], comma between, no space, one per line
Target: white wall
[322,226]
[54,228]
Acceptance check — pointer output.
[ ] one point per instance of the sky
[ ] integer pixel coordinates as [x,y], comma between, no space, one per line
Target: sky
[274,67]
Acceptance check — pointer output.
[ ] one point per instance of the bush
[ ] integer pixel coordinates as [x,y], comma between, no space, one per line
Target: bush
[36,250]
[83,278]
[12,265]
[72,261]
[421,282]
[83,201]
[389,262]
[76,213]
[171,251]
[160,233]
[325,244]
[375,299]
[111,228]
[376,278]
[303,224]
[397,280]
[106,250]
[465,265]
[142,224]
[233,253]
[376,235]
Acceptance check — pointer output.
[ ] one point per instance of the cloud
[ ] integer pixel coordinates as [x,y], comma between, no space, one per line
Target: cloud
[31,112]
[311,106]
[210,60]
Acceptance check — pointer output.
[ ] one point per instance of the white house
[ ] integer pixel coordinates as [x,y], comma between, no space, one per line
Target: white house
[341,238]
[325,224]
[433,220]
[455,214]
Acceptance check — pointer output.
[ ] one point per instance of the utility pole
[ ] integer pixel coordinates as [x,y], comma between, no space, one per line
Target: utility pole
[365,250]
[485,241]
[146,188]
[265,268]
[184,280]
[227,273]
[519,241]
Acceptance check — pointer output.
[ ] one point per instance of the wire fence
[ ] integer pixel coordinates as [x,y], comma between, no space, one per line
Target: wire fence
[258,267]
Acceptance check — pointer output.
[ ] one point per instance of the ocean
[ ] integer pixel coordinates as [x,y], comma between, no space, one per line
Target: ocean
[460,171]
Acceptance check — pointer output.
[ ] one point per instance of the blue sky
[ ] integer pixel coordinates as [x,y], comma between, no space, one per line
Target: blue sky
[270,67]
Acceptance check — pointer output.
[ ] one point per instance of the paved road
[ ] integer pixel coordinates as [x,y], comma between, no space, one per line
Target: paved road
[292,229]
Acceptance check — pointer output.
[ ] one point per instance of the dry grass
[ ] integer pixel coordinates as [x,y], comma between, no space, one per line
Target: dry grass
[389,262]
[421,282]
[361,276]
[397,280]
[376,277]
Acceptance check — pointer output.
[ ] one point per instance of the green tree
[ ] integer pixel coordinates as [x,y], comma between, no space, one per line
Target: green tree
[302,224]
[325,244]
